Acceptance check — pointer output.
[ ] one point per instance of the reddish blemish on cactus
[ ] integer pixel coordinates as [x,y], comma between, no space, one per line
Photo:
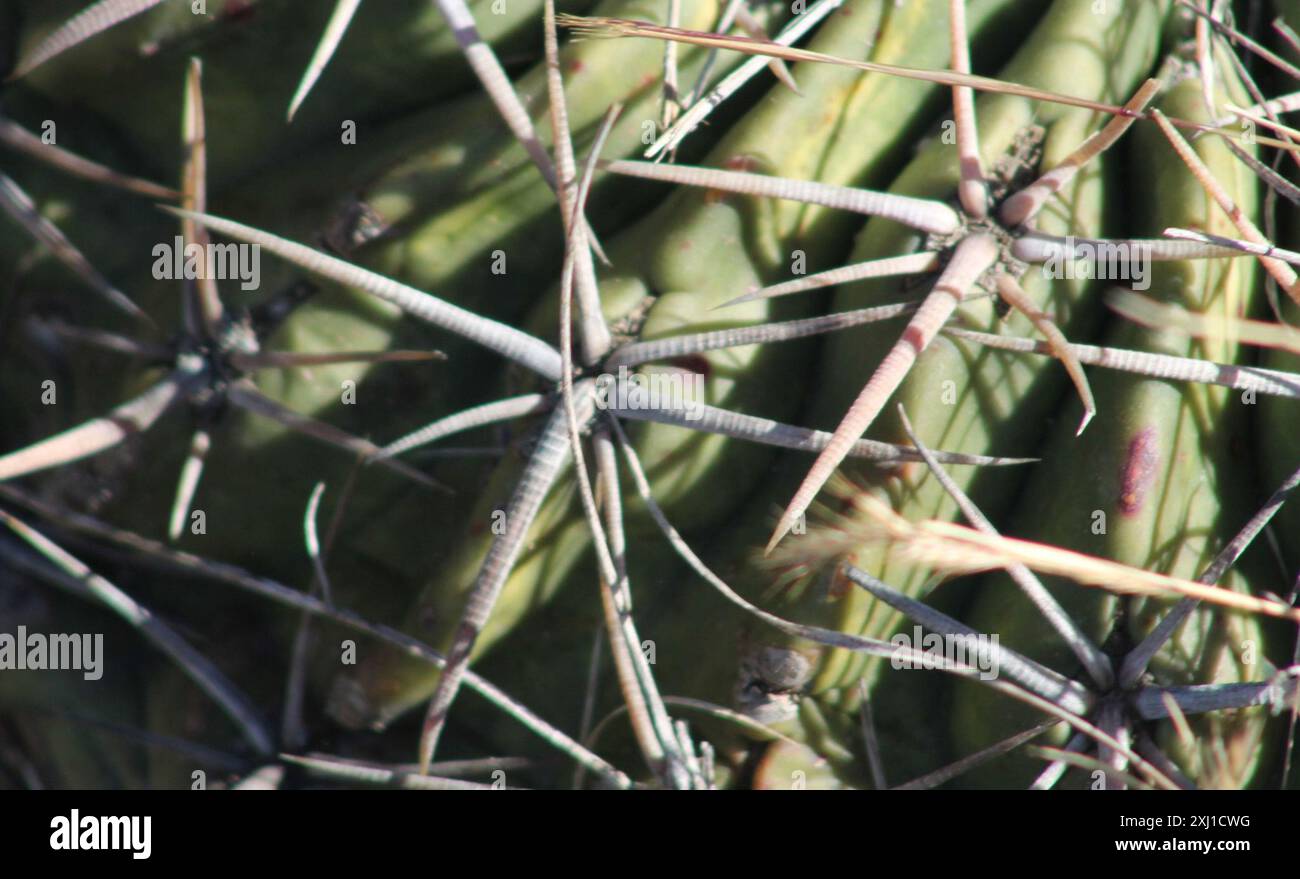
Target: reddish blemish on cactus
[839,586]
[1139,471]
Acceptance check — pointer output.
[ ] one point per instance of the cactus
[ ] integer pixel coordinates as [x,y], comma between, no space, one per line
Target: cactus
[952,389]
[413,475]
[1164,504]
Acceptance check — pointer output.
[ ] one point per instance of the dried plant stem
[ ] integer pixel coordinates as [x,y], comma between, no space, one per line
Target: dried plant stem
[956,548]
[618,27]
[1163,316]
